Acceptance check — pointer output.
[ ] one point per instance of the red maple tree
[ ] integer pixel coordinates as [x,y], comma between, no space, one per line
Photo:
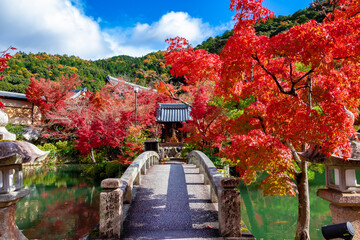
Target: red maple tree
[298,86]
[104,119]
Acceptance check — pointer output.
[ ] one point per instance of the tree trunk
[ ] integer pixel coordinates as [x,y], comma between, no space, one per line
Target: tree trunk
[92,157]
[303,223]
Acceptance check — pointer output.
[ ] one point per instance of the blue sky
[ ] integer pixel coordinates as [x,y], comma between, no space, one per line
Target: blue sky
[215,12]
[94,29]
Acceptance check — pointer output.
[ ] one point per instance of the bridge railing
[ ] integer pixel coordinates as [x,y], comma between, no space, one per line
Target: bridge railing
[222,191]
[117,191]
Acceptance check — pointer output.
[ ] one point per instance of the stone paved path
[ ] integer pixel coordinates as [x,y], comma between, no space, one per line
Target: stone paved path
[172,203]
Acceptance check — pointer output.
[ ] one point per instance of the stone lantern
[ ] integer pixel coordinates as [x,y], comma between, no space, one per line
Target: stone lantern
[342,188]
[12,155]
[11,192]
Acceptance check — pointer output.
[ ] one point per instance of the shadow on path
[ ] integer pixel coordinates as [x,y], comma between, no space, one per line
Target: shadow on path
[171,203]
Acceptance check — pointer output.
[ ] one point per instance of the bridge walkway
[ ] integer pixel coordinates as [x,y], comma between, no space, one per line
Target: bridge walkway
[172,202]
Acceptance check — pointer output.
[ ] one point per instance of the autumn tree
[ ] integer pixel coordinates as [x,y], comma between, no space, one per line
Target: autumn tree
[101,120]
[298,86]
[4,58]
[206,128]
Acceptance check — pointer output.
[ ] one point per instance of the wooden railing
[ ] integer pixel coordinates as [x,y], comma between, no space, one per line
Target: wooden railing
[222,191]
[117,191]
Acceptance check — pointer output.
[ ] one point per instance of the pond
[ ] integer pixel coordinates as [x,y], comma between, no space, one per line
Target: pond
[62,203]
[275,217]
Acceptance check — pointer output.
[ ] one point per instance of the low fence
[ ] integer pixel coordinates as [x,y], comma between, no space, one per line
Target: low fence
[222,191]
[117,191]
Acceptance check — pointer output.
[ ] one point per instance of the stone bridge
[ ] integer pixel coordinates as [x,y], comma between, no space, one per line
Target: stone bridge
[175,200]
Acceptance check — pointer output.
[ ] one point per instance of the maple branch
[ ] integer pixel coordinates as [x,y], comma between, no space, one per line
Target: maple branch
[174,97]
[354,15]
[208,125]
[305,86]
[292,92]
[304,76]
[291,74]
[294,152]
[262,123]
[255,57]
[342,58]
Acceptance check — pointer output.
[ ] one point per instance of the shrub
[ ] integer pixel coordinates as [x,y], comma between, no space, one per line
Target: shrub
[15,129]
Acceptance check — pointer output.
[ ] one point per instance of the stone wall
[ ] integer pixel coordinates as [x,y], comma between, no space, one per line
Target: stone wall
[22,112]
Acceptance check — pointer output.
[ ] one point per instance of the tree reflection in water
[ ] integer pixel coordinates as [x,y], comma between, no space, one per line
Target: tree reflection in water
[275,217]
[62,203]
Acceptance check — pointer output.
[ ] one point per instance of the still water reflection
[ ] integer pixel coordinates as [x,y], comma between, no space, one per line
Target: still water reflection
[62,203]
[275,217]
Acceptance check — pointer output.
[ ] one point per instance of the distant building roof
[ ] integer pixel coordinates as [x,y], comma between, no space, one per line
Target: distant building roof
[78,92]
[115,81]
[173,112]
[13,95]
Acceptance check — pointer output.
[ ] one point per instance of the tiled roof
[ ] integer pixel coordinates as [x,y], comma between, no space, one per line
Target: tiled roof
[78,92]
[172,112]
[115,81]
[13,95]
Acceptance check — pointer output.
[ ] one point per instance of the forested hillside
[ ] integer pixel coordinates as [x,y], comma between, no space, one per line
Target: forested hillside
[23,66]
[133,69]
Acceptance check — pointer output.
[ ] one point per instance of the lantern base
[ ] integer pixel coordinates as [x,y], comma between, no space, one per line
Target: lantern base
[342,214]
[345,199]
[11,198]
[8,228]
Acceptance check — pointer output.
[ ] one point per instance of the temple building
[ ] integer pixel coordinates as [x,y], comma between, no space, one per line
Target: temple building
[171,116]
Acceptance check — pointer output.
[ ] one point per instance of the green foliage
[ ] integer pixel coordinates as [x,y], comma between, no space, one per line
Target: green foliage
[212,154]
[41,65]
[16,129]
[49,147]
[104,170]
[215,45]
[113,169]
[100,156]
[233,109]
[188,148]
[313,169]
[302,67]
[61,151]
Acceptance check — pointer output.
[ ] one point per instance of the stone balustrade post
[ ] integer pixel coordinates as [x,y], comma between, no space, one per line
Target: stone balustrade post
[111,208]
[229,208]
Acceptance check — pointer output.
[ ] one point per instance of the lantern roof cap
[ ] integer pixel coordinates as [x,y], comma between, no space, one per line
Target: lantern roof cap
[315,155]
[19,152]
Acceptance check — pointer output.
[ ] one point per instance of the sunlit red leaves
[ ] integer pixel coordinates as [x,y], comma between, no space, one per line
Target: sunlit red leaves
[50,95]
[4,57]
[207,126]
[254,151]
[314,59]
[165,88]
[248,12]
[95,120]
[195,65]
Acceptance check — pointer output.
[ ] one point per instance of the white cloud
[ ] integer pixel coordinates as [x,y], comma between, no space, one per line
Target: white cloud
[50,26]
[171,25]
[60,27]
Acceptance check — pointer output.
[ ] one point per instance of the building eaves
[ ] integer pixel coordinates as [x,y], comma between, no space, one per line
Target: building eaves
[172,112]
[13,95]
